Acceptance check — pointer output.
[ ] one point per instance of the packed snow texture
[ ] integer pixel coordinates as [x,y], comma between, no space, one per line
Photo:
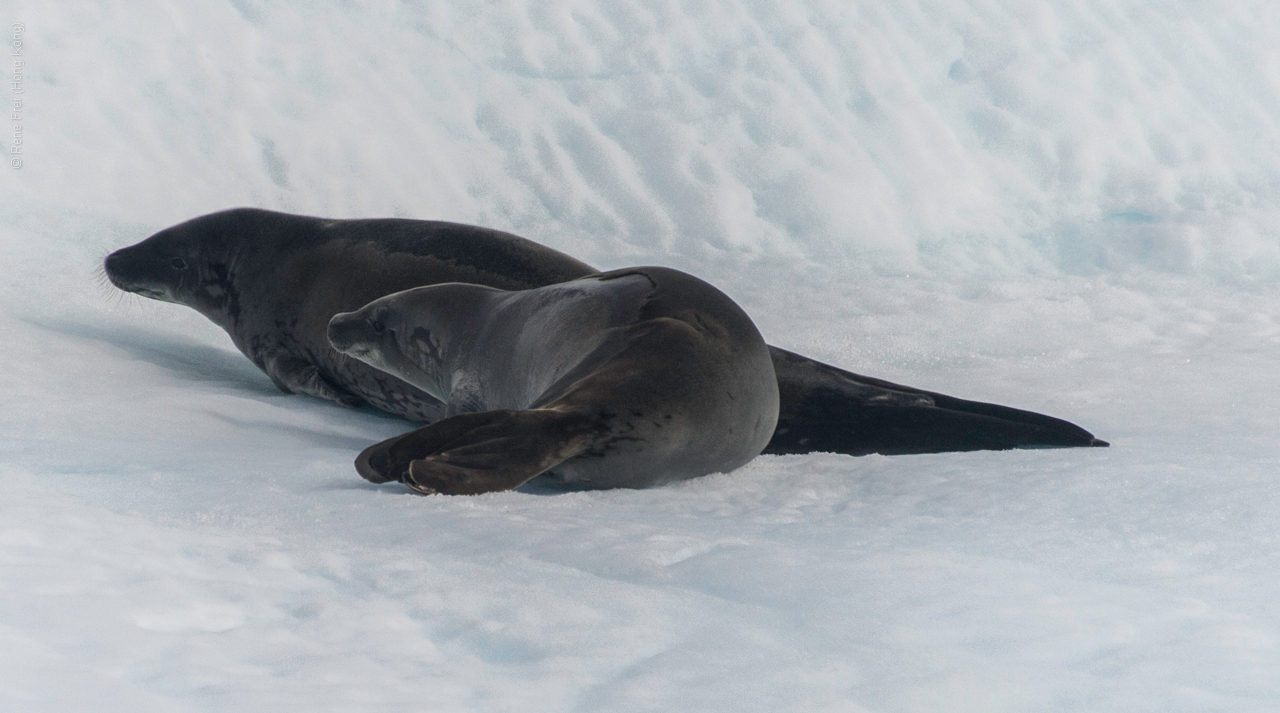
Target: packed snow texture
[1072,207]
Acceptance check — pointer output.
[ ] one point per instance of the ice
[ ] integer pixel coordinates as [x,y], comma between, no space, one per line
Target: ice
[1071,207]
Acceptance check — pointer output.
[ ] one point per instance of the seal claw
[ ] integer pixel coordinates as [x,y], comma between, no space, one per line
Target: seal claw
[416,487]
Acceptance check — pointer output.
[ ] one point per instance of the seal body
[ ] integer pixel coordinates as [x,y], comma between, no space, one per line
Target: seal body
[273,281]
[628,378]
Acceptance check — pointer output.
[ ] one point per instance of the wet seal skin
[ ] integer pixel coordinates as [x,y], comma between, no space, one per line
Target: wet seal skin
[274,280]
[630,378]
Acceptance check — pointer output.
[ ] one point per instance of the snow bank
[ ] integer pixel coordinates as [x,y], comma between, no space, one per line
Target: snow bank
[1083,136]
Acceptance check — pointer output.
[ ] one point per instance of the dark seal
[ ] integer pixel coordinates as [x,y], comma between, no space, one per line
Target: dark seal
[273,281]
[630,378]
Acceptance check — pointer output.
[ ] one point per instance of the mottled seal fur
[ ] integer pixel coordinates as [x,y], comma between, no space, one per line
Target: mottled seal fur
[274,280]
[629,378]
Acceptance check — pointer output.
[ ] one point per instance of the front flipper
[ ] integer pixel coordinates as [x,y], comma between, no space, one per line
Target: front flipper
[484,452]
[294,375]
[823,408]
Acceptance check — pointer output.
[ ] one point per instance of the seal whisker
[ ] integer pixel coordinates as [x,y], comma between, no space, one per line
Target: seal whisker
[125,300]
[102,279]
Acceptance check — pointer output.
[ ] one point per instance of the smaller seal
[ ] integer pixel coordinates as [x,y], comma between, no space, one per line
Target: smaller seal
[630,378]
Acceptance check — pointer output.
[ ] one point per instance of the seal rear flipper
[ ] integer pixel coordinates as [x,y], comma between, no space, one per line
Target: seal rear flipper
[824,408]
[475,453]
[830,423]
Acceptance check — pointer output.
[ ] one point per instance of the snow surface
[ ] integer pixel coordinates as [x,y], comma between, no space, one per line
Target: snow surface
[1071,206]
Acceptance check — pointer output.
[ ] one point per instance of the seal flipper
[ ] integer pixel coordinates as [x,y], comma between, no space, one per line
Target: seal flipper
[388,461]
[483,452]
[294,375]
[824,408]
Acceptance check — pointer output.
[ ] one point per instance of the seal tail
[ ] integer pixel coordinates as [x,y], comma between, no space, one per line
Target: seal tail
[474,453]
[828,409]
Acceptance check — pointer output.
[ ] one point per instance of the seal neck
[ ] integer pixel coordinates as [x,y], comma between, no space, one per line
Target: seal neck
[441,336]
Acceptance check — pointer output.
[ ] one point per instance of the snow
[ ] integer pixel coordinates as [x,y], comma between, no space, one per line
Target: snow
[1072,207]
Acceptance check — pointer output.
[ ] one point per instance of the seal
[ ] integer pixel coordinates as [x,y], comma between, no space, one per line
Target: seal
[630,378]
[274,280]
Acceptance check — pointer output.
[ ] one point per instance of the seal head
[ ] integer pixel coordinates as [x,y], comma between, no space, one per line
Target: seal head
[184,265]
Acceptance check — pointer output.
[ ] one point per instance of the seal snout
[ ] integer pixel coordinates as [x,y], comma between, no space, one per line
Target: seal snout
[116,265]
[349,333]
[128,271]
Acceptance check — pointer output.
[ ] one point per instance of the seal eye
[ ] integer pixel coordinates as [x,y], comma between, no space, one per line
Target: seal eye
[378,327]
[178,263]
